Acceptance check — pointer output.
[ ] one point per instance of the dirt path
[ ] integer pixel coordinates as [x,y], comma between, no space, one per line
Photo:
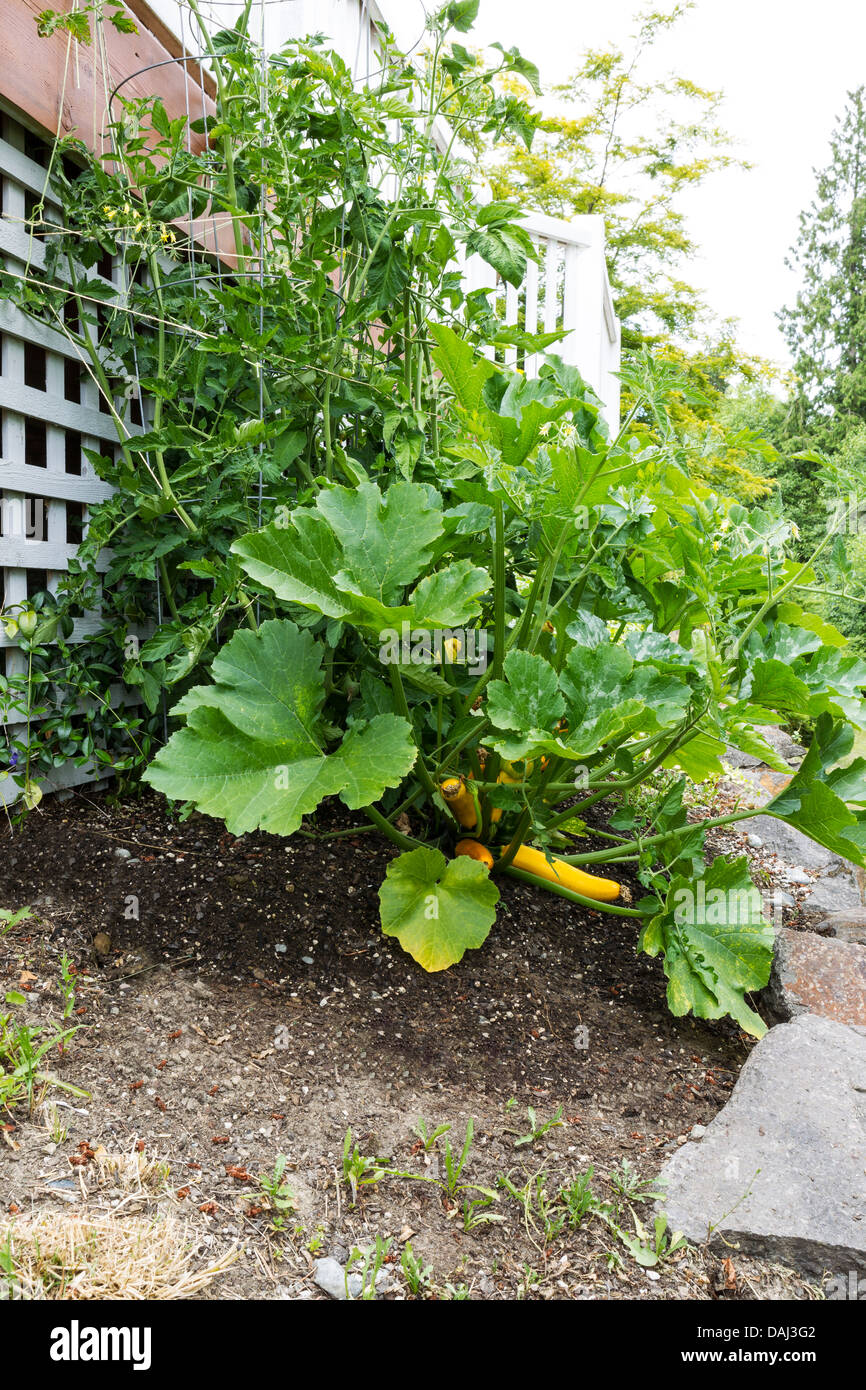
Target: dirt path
[247,1006]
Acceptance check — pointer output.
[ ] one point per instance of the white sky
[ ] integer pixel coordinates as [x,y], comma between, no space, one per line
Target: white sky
[784,67]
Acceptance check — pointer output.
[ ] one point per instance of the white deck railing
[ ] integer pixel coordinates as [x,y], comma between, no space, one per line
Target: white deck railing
[567,289]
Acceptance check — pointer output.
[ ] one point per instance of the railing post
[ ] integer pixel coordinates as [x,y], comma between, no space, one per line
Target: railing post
[583,306]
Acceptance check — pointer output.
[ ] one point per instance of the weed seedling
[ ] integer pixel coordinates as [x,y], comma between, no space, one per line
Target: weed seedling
[55,1127]
[358,1170]
[277,1193]
[371,1260]
[428,1137]
[22,1050]
[579,1198]
[653,1247]
[454,1166]
[539,1210]
[475,1211]
[627,1182]
[536,1130]
[314,1244]
[415,1272]
[9,919]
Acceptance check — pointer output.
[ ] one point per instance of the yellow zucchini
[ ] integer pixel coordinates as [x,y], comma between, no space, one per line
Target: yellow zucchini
[532,861]
[460,802]
[473,849]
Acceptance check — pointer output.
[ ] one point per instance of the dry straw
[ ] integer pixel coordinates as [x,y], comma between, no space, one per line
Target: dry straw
[76,1256]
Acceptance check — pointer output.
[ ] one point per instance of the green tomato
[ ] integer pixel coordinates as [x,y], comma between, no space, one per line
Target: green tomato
[27,622]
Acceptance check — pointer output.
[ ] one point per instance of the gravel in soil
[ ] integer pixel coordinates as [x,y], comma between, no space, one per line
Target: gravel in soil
[236,1001]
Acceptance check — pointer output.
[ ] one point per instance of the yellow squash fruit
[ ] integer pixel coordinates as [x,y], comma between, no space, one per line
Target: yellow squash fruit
[472,849]
[532,861]
[460,802]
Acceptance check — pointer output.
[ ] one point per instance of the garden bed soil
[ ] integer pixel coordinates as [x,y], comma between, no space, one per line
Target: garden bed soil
[236,1001]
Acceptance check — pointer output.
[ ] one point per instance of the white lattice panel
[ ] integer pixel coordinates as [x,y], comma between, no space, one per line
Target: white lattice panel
[49,416]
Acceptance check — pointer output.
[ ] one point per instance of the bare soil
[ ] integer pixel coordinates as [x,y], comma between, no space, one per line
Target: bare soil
[235,1001]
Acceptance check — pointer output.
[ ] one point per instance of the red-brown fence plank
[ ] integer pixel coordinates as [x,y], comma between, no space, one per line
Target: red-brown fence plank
[36,73]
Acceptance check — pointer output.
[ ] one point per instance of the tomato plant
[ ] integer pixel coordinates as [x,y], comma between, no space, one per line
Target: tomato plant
[235,383]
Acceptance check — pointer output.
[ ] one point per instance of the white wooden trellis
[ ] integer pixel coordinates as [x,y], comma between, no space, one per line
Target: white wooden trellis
[44,432]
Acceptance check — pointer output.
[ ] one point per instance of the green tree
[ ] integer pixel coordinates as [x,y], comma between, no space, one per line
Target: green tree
[826,326]
[628,147]
[820,431]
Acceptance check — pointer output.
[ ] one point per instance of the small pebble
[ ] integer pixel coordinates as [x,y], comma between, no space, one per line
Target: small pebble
[798,875]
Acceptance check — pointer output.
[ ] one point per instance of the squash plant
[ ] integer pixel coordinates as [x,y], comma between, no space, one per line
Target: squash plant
[633,620]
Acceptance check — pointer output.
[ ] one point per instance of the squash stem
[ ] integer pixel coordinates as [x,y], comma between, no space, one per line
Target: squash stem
[498,588]
[561,892]
[395,836]
[403,708]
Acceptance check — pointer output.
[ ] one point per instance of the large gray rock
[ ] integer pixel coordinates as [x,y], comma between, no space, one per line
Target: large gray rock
[845,926]
[832,893]
[330,1276]
[780,1171]
[737,759]
[786,747]
[817,975]
[789,843]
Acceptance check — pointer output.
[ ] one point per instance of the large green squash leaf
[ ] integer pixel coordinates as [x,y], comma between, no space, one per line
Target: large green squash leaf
[604,685]
[253,749]
[804,686]
[716,944]
[448,598]
[528,702]
[298,562]
[352,556]
[601,691]
[437,908]
[386,541]
[816,799]
[836,680]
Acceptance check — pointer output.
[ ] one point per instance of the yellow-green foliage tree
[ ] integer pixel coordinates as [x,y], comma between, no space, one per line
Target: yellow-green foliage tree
[629,146]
